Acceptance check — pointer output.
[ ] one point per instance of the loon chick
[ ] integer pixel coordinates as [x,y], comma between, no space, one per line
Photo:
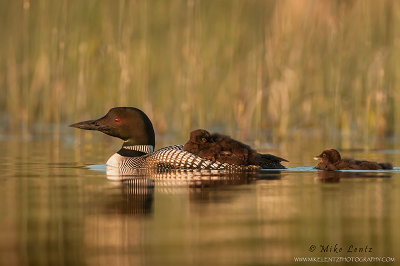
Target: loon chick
[202,144]
[224,149]
[136,130]
[330,159]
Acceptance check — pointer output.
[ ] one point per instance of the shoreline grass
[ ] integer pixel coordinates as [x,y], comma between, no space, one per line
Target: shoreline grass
[262,70]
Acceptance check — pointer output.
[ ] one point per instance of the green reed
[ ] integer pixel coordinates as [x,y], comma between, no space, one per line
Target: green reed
[263,70]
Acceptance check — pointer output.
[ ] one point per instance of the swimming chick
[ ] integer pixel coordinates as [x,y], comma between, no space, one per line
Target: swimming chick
[224,149]
[331,160]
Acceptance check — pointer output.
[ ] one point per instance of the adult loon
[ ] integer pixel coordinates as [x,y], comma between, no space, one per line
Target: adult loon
[136,130]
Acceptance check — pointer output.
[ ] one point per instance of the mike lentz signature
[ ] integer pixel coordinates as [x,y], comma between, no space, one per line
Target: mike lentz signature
[341,249]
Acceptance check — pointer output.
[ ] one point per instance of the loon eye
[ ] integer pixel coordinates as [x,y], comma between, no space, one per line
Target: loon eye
[117,119]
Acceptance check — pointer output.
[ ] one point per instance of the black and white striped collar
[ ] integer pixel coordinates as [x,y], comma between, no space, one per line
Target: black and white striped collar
[141,148]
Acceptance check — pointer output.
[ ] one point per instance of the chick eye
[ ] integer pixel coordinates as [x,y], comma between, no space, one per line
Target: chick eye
[117,119]
[324,155]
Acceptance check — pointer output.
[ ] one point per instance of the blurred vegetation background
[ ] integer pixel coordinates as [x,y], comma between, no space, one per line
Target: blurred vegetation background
[266,71]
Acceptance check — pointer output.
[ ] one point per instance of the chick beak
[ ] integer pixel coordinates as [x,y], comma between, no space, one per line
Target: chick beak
[317,158]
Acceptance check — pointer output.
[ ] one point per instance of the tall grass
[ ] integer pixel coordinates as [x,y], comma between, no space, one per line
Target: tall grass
[261,70]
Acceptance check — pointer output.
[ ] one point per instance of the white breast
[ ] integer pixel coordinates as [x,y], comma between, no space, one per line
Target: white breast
[115,160]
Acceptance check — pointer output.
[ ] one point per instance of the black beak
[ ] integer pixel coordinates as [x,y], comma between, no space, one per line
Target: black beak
[98,124]
[88,125]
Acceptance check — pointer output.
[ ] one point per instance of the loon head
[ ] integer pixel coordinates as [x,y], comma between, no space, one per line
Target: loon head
[329,156]
[127,123]
[200,136]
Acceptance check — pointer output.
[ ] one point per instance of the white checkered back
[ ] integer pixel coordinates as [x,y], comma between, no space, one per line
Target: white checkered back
[171,157]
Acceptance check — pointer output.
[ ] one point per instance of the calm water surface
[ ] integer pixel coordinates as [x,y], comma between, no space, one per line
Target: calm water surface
[59,207]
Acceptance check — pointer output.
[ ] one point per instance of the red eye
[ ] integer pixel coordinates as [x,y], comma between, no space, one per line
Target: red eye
[117,119]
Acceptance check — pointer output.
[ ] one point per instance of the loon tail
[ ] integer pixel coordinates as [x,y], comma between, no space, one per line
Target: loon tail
[269,161]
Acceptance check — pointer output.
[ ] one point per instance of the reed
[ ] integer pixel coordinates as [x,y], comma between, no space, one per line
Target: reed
[263,70]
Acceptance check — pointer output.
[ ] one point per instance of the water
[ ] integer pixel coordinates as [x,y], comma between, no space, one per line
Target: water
[58,206]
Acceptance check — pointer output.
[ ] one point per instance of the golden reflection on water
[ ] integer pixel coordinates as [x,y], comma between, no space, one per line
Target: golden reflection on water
[54,210]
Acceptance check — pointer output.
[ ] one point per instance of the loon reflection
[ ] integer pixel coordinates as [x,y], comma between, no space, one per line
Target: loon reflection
[189,177]
[137,189]
[336,176]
